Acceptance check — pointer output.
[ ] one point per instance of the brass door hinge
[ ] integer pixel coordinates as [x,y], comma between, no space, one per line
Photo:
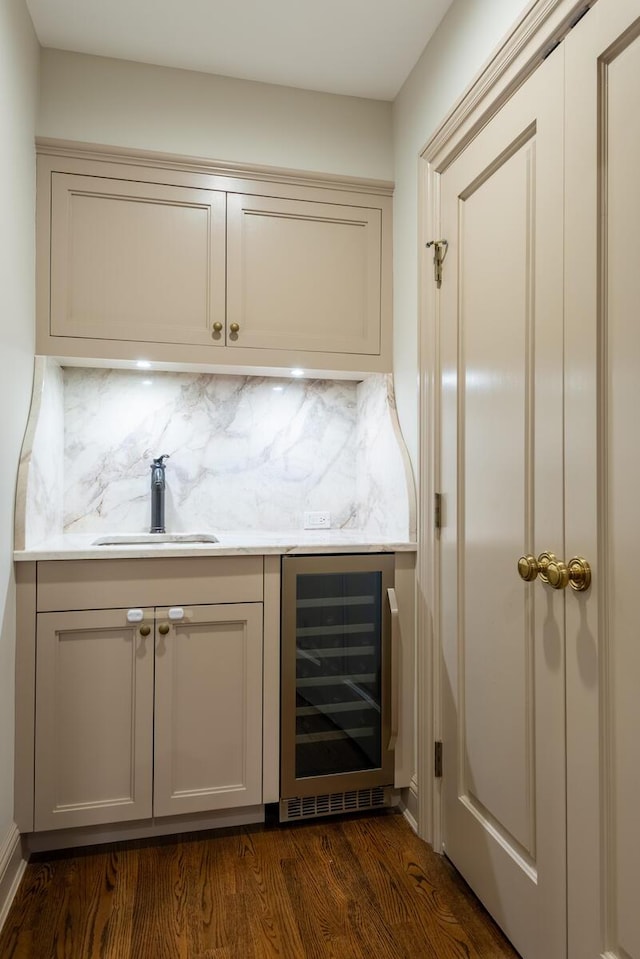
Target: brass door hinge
[437,759]
[440,249]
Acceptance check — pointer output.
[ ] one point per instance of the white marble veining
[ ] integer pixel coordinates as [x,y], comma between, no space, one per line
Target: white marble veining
[385,493]
[40,493]
[247,454]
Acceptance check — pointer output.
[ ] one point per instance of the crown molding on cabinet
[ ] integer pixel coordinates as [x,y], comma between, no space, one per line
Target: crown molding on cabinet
[46,146]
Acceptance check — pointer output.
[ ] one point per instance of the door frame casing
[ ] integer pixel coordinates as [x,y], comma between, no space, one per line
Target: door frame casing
[542,25]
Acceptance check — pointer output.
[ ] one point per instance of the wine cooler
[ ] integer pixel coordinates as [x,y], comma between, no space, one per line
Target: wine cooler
[338,708]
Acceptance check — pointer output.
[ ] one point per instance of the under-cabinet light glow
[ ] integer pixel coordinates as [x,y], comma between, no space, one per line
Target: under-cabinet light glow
[297,372]
[143,364]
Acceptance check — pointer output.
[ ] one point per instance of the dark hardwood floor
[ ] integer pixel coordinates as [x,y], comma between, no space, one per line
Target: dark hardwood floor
[363,887]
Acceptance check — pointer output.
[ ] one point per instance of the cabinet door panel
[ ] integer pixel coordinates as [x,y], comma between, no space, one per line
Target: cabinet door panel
[303,275]
[208,728]
[135,261]
[94,707]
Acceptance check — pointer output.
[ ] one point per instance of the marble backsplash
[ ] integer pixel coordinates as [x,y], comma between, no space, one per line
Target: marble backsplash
[246,453]
[40,485]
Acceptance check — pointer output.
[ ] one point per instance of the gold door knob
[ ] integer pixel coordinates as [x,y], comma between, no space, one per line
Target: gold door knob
[217,329]
[145,630]
[557,574]
[528,568]
[234,328]
[163,629]
[579,574]
[544,560]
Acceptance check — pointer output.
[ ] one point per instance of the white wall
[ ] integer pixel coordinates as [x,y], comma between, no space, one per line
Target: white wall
[463,42]
[135,105]
[18,91]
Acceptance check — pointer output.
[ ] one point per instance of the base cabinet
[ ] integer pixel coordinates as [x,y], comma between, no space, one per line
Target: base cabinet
[148,711]
[208,712]
[94,719]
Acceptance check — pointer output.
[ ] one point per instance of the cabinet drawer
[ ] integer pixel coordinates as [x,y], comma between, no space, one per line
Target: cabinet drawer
[104,584]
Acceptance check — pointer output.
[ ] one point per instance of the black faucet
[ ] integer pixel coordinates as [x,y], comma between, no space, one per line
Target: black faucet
[157,494]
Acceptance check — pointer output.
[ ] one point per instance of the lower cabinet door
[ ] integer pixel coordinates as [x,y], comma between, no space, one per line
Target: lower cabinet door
[94,718]
[208,709]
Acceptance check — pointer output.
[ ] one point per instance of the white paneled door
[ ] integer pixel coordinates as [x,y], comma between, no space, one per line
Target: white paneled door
[540,388]
[501,445]
[602,218]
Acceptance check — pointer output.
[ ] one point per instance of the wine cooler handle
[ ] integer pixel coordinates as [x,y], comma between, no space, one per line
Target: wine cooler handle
[395,652]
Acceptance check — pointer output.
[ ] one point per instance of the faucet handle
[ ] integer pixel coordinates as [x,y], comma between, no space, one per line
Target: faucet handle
[159,461]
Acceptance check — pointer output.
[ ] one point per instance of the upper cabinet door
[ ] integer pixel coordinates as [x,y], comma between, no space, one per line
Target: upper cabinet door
[303,275]
[136,261]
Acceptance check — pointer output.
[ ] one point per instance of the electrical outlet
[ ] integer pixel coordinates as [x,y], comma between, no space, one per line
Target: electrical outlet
[318,519]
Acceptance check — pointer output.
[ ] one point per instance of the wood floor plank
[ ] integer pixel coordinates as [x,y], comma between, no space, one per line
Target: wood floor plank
[352,888]
[364,918]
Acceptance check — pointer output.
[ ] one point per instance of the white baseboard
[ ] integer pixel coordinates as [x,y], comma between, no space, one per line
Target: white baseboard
[409,804]
[12,867]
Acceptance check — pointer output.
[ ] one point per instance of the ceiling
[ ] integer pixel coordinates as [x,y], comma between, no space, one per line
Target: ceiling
[363,48]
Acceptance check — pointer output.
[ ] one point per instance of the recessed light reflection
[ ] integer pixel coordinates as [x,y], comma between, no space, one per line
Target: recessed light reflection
[278,389]
[147,382]
[297,372]
[143,364]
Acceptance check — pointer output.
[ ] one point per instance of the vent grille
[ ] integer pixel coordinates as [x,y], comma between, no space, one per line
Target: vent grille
[309,807]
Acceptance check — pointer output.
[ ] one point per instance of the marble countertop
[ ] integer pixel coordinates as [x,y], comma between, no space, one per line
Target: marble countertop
[231,543]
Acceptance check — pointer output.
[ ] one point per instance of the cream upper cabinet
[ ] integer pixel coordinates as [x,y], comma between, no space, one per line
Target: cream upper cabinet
[136,261]
[178,266]
[303,276]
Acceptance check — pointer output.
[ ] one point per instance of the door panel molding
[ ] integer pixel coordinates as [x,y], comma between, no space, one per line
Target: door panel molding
[513,173]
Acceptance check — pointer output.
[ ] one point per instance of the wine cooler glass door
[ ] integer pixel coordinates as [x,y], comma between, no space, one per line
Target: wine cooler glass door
[339,674]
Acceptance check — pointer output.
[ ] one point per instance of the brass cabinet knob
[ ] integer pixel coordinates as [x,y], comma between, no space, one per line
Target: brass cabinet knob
[145,630]
[163,629]
[579,574]
[528,568]
[557,574]
[234,327]
[217,329]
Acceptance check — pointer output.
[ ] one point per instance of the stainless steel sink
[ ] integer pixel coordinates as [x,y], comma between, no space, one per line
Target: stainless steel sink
[132,539]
